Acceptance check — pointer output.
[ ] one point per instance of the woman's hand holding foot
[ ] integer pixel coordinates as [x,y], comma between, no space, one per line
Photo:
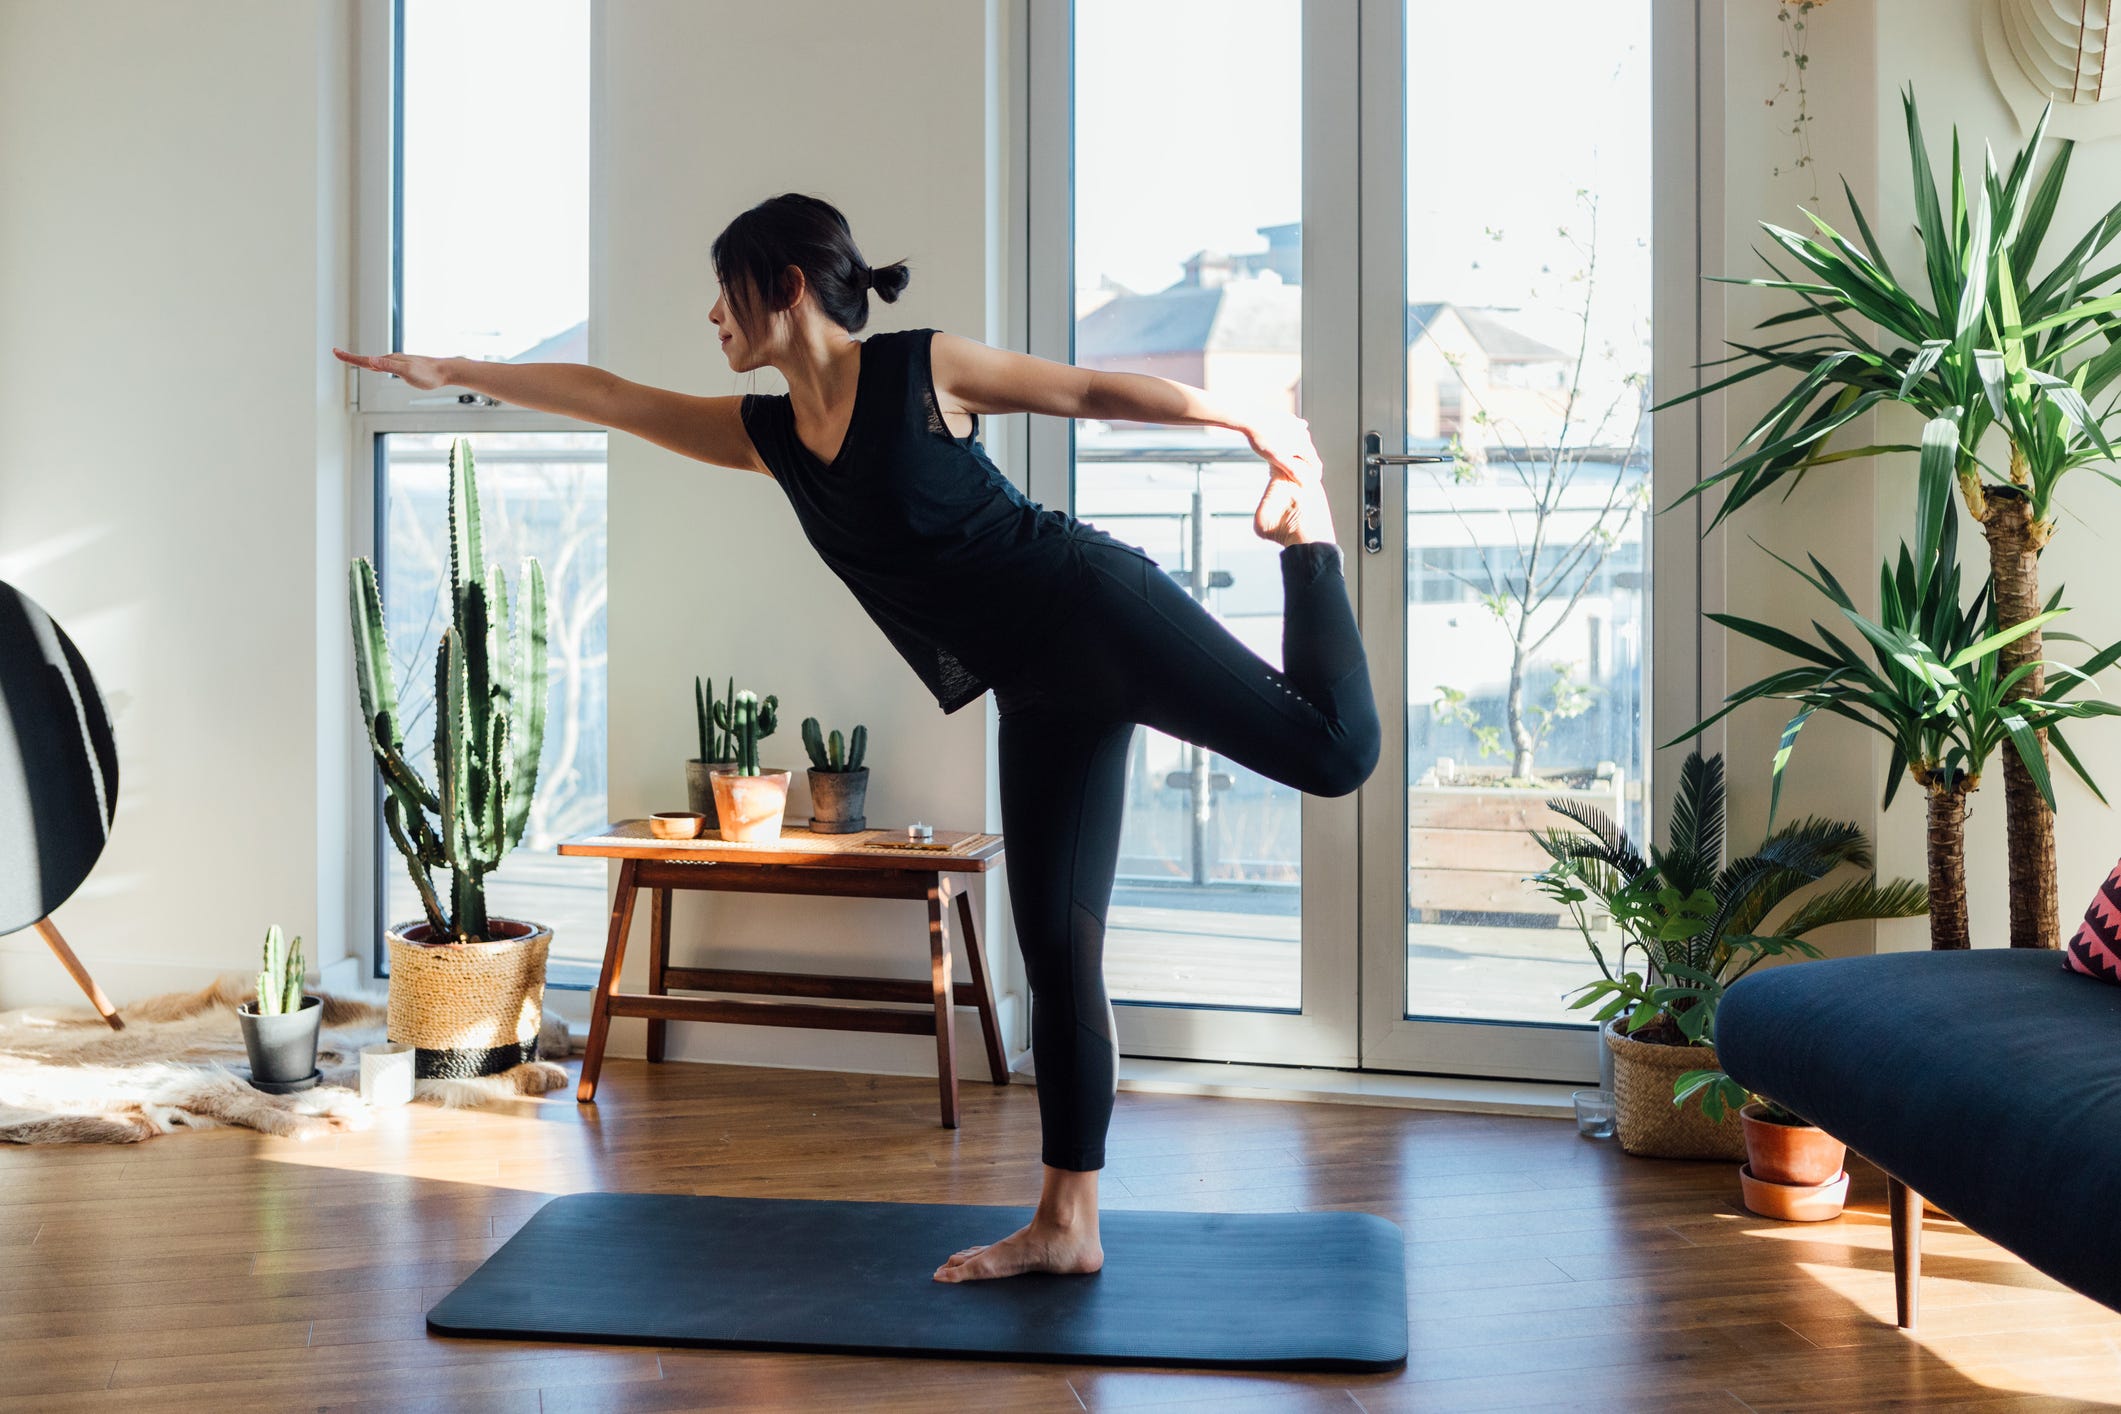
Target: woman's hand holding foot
[1292,509]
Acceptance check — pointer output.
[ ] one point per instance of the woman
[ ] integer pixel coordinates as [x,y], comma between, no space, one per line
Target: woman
[1081,636]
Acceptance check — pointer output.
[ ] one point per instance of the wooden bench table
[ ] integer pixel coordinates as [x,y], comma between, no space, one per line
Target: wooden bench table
[799,862]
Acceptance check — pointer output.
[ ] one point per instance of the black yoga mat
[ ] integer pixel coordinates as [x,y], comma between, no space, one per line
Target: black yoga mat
[1287,1291]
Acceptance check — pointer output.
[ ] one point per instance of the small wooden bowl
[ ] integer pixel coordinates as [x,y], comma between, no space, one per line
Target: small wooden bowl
[676,824]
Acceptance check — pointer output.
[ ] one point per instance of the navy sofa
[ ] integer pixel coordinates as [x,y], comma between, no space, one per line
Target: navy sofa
[1989,1080]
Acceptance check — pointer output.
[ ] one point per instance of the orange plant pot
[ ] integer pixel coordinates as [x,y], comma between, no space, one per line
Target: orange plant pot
[1791,1202]
[1790,1153]
[750,807]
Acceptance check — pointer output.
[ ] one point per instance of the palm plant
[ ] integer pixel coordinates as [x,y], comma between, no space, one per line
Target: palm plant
[1698,923]
[1931,678]
[1981,341]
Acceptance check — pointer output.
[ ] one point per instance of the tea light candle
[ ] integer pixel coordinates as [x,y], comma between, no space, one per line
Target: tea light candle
[386,1073]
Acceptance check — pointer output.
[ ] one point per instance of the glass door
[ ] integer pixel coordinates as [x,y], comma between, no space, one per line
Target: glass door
[1430,225]
[1508,332]
[1190,147]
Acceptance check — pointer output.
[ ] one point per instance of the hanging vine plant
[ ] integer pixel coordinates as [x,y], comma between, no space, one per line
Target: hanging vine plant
[1796,59]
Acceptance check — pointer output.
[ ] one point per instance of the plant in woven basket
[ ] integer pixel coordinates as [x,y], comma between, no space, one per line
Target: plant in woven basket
[1692,924]
[490,690]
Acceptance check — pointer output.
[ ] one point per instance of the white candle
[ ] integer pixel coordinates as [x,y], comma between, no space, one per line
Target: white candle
[386,1073]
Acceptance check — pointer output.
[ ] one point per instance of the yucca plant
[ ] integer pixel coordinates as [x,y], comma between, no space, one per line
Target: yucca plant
[1694,923]
[1981,339]
[489,707]
[1929,675]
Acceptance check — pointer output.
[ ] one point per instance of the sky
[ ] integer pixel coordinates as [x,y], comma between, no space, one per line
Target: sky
[1189,135]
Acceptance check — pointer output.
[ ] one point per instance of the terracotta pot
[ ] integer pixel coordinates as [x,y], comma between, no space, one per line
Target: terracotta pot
[1791,1202]
[836,800]
[1644,1117]
[1800,1154]
[468,1009]
[699,789]
[750,807]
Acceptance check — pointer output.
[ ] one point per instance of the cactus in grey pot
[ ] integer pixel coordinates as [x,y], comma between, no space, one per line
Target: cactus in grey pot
[490,691]
[280,981]
[748,722]
[837,754]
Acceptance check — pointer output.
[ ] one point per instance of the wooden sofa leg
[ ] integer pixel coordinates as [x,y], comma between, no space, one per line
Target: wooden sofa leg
[1905,1206]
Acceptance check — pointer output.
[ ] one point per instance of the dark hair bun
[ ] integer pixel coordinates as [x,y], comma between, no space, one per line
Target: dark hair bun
[889,281]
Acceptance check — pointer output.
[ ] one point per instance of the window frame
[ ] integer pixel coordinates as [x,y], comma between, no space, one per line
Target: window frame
[379,404]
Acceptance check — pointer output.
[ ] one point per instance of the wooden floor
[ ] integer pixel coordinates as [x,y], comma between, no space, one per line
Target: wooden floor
[226,1271]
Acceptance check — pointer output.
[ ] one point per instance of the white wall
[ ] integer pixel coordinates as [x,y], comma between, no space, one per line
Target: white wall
[172,454]
[706,109]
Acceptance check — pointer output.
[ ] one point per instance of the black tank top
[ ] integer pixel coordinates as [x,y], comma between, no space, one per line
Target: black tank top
[958,567]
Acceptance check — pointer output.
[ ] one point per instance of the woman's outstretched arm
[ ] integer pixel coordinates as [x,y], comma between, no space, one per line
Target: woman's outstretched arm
[985,379]
[705,429]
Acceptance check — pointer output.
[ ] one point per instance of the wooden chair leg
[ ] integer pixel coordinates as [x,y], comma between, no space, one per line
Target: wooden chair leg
[945,998]
[658,959]
[1904,1205]
[607,982]
[989,1024]
[75,970]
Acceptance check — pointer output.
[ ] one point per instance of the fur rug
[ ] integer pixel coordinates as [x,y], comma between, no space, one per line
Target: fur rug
[67,1078]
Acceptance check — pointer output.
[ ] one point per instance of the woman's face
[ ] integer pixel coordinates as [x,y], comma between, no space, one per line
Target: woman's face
[735,347]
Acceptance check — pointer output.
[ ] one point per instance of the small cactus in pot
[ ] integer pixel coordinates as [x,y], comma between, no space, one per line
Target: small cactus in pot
[839,782]
[280,1024]
[749,800]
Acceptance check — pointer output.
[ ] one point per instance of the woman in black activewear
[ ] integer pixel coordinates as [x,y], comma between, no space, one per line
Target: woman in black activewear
[1079,635]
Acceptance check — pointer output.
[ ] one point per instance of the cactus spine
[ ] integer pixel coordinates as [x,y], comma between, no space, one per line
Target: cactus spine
[489,697]
[748,721]
[280,982]
[838,754]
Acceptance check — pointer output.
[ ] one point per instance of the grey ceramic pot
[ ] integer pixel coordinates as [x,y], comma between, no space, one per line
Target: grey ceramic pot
[282,1047]
[836,801]
[699,791]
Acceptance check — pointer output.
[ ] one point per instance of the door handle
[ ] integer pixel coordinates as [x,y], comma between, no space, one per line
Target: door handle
[1374,461]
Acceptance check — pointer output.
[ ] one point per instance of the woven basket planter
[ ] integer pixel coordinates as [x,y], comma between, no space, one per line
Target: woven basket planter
[1647,1121]
[468,1009]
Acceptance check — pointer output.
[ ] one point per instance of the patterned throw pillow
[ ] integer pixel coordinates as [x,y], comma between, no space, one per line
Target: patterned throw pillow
[2095,948]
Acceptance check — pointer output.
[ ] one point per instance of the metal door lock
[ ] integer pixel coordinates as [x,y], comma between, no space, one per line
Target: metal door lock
[1374,460]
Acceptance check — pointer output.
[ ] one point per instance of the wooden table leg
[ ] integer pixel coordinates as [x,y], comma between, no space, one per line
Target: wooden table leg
[989,1024]
[945,1000]
[75,970]
[658,959]
[1904,1205]
[607,982]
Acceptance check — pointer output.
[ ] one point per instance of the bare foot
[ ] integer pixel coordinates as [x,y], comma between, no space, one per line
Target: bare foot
[1036,1248]
[1292,513]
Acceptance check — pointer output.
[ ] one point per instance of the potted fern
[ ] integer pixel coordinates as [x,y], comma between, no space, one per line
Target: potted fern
[280,1024]
[1691,925]
[715,750]
[749,801]
[839,782]
[466,989]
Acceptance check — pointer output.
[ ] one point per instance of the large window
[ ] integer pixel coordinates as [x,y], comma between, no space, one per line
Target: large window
[486,186]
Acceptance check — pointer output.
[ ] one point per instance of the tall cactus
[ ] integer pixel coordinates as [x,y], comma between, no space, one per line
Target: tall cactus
[748,721]
[489,702]
[839,754]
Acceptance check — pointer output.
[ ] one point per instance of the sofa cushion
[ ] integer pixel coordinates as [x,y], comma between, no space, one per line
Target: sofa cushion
[2095,948]
[1987,1080]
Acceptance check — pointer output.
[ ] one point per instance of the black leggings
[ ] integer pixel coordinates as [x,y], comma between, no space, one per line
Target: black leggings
[1137,648]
